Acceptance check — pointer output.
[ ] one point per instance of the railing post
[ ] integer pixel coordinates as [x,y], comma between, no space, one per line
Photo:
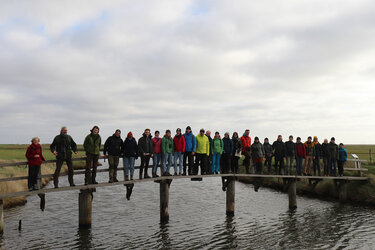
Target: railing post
[1,217]
[230,192]
[85,208]
[164,200]
[292,193]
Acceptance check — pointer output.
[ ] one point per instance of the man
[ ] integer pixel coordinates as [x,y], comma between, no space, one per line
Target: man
[310,152]
[145,151]
[156,145]
[246,144]
[179,149]
[326,157]
[209,158]
[317,155]
[290,147]
[227,153]
[190,146]
[334,156]
[113,146]
[167,149]
[280,154]
[92,148]
[202,152]
[268,154]
[62,147]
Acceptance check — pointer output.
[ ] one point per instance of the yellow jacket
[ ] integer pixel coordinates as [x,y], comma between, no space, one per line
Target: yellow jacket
[203,145]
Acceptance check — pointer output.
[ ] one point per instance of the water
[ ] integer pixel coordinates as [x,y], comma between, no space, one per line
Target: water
[197,220]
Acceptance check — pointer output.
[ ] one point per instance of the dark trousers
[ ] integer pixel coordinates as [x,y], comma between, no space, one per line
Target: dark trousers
[200,160]
[113,161]
[279,163]
[190,160]
[340,166]
[225,163]
[332,167]
[268,163]
[33,176]
[246,161]
[234,165]
[316,163]
[326,165]
[208,164]
[145,160]
[299,160]
[91,162]
[59,163]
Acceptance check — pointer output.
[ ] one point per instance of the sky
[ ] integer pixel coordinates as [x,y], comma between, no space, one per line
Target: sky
[293,67]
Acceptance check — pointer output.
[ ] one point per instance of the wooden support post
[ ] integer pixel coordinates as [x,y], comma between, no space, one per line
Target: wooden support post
[292,193]
[164,200]
[343,192]
[370,151]
[1,217]
[85,208]
[231,184]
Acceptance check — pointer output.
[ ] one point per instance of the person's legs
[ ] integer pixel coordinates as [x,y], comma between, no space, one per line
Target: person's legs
[185,158]
[131,164]
[170,160]
[305,166]
[69,163]
[175,157]
[154,164]
[340,165]
[277,164]
[116,161]
[126,163]
[282,166]
[180,162]
[246,161]
[204,162]
[141,167]
[111,164]
[164,164]
[59,164]
[94,167]
[89,158]
[217,167]
[334,163]
[29,178]
[197,160]
[325,164]
[147,161]
[213,163]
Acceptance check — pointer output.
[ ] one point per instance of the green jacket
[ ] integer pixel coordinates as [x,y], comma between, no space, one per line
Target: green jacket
[167,145]
[217,146]
[92,144]
[333,151]
[203,145]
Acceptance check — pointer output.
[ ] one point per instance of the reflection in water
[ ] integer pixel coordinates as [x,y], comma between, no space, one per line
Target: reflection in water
[230,226]
[84,238]
[164,240]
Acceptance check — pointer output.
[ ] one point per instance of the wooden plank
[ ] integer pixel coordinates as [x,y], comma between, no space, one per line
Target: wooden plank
[356,169]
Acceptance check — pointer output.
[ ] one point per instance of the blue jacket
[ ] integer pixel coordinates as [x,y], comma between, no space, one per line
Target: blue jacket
[343,155]
[228,145]
[190,142]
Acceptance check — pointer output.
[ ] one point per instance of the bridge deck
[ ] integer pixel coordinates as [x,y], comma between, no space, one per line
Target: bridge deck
[106,184]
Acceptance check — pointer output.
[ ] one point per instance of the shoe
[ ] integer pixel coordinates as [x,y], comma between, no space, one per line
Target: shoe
[131,177]
[56,186]
[175,174]
[35,187]
[94,182]
[72,185]
[110,181]
[140,177]
[86,184]
[147,176]
[115,180]
[184,174]
[30,188]
[153,175]
[126,177]
[180,174]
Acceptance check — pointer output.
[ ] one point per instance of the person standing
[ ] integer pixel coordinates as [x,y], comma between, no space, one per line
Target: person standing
[227,153]
[190,146]
[280,153]
[290,147]
[130,154]
[156,143]
[179,149]
[217,149]
[201,153]
[310,152]
[146,151]
[300,155]
[317,155]
[268,154]
[246,144]
[209,158]
[325,156]
[112,146]
[343,157]
[167,150]
[62,147]
[92,148]
[34,157]
[333,156]
[257,155]
[236,154]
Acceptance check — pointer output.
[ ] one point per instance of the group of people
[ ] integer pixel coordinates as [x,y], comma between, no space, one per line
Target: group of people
[187,153]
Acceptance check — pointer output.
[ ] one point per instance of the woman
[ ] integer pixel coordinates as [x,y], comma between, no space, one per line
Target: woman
[236,154]
[35,157]
[156,142]
[300,154]
[257,154]
[227,152]
[130,153]
[217,146]
[343,157]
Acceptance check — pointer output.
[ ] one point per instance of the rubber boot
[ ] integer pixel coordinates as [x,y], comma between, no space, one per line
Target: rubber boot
[126,177]
[131,177]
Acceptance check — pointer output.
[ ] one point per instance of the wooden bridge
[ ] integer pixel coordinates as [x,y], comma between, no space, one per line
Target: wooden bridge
[86,191]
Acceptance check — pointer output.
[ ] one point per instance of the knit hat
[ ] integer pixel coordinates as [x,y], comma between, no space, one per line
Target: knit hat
[178,129]
[188,128]
[118,130]
[333,139]
[256,138]
[130,134]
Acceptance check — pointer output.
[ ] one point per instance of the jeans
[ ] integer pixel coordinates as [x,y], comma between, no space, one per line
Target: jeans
[326,165]
[167,157]
[190,159]
[178,156]
[128,163]
[215,163]
[91,161]
[289,164]
[299,161]
[317,165]
[156,161]
[33,176]
[332,167]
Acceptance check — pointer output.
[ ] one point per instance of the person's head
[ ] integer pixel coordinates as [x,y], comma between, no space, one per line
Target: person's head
[118,132]
[168,133]
[188,129]
[247,132]
[333,139]
[208,133]
[279,137]
[309,139]
[147,131]
[341,145]
[315,138]
[178,131]
[266,140]
[326,141]
[256,139]
[235,135]
[130,134]
[291,138]
[35,140]
[64,130]
[298,139]
[226,135]
[95,130]
[157,133]
[217,134]
[201,132]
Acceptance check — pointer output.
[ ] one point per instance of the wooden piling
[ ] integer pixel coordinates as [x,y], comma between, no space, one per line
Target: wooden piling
[164,200]
[343,192]
[292,193]
[1,217]
[85,208]
[230,192]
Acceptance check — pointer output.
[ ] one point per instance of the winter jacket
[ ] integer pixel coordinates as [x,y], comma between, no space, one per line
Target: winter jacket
[246,143]
[130,148]
[156,143]
[333,151]
[267,148]
[300,149]
[228,145]
[325,150]
[33,150]
[167,145]
[145,145]
[290,148]
[113,145]
[63,145]
[210,143]
[92,144]
[343,155]
[279,149]
[318,150]
[257,150]
[179,143]
[190,142]
[217,146]
[237,145]
[203,145]
[310,150]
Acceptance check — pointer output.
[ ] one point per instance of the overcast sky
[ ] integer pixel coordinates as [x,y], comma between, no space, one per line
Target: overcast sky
[276,67]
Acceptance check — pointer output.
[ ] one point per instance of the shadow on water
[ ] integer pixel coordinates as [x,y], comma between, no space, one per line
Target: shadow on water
[84,238]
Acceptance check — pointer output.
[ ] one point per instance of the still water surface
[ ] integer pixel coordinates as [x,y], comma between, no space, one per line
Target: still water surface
[197,220]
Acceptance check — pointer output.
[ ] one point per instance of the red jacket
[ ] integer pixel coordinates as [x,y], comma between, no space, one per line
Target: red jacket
[157,145]
[33,150]
[179,143]
[301,150]
[246,142]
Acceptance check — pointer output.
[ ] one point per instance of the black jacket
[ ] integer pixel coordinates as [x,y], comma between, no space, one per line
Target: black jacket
[63,145]
[237,145]
[228,145]
[130,148]
[325,150]
[279,149]
[145,145]
[290,148]
[267,148]
[318,150]
[113,145]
